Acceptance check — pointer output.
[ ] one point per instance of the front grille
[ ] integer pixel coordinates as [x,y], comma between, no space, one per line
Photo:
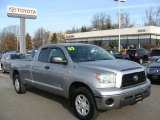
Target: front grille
[129,79]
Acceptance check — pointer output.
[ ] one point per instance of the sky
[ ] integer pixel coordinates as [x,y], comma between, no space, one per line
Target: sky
[61,15]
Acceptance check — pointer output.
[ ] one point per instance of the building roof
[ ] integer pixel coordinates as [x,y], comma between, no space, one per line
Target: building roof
[114,32]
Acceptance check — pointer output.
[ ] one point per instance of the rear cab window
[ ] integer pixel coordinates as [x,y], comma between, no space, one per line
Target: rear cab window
[17,56]
[155,52]
[132,52]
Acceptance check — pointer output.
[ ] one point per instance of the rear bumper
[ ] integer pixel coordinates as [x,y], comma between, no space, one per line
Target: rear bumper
[122,97]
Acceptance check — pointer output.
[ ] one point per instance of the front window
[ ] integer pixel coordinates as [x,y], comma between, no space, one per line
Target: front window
[88,53]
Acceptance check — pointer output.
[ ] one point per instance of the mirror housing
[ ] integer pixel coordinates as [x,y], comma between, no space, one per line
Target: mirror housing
[57,60]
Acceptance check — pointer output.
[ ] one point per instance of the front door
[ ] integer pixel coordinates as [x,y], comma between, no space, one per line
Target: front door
[55,73]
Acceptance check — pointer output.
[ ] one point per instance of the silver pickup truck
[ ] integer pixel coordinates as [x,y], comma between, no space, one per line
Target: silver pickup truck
[87,75]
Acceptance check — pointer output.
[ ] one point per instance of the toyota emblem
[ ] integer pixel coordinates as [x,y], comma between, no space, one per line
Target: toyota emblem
[135,78]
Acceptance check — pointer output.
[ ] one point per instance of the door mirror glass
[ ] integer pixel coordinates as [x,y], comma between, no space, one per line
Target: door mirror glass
[58,60]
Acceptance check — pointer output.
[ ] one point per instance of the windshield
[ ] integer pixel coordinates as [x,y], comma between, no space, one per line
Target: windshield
[88,53]
[116,52]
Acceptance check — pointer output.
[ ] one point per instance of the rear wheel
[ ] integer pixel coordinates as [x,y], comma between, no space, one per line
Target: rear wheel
[141,61]
[20,88]
[83,104]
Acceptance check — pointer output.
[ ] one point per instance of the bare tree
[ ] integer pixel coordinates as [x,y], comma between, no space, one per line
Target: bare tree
[39,37]
[125,20]
[73,30]
[158,16]
[101,21]
[152,17]
[28,41]
[54,38]
[8,38]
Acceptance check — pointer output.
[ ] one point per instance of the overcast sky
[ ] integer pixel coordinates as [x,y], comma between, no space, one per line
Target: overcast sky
[60,15]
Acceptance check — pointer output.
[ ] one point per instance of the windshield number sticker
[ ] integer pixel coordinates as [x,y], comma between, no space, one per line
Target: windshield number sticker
[71,48]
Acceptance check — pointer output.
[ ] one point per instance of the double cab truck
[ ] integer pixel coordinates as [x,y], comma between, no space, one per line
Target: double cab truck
[87,75]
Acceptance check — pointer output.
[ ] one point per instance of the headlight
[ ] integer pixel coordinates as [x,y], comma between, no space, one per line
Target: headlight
[107,78]
[147,70]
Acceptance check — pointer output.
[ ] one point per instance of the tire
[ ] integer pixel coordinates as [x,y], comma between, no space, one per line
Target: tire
[141,61]
[83,104]
[3,70]
[20,88]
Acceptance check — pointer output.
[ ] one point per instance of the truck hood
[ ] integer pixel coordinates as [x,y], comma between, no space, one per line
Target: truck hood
[154,65]
[115,65]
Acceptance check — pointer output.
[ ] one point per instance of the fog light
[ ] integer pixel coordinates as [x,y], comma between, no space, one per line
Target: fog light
[109,102]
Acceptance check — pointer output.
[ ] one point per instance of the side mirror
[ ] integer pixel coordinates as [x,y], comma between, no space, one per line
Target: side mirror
[57,60]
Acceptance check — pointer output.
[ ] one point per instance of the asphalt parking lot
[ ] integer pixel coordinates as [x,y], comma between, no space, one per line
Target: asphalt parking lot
[39,105]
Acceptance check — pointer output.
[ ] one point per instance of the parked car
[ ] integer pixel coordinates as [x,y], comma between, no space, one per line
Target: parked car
[87,75]
[139,55]
[7,59]
[154,55]
[31,53]
[118,55]
[153,71]
[3,52]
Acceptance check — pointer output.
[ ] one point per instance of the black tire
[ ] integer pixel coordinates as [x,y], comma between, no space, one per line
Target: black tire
[21,87]
[92,113]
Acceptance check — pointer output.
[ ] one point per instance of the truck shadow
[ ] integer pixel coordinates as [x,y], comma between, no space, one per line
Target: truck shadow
[155,82]
[63,101]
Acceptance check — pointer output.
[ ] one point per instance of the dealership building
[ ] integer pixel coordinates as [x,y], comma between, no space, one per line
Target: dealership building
[136,36]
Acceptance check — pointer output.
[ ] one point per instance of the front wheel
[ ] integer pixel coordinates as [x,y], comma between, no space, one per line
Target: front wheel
[83,104]
[20,88]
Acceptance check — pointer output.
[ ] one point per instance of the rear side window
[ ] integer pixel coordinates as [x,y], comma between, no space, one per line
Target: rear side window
[44,55]
[17,56]
[155,53]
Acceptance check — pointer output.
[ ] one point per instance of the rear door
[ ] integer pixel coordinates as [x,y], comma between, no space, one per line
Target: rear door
[37,68]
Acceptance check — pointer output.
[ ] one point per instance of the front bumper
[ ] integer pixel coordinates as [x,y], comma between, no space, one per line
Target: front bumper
[121,97]
[153,77]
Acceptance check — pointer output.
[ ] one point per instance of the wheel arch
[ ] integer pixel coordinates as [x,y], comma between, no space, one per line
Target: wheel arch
[76,85]
[15,72]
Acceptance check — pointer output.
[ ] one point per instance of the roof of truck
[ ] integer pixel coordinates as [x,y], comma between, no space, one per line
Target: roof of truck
[66,44]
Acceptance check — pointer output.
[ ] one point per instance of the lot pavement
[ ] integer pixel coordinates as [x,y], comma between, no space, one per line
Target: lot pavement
[39,105]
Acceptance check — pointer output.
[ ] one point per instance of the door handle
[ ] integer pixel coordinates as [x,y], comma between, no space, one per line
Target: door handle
[47,67]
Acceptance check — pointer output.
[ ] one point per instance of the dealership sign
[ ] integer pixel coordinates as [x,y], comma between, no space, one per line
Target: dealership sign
[14,11]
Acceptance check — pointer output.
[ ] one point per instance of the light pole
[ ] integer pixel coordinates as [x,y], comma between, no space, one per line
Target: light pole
[119,22]
[17,42]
